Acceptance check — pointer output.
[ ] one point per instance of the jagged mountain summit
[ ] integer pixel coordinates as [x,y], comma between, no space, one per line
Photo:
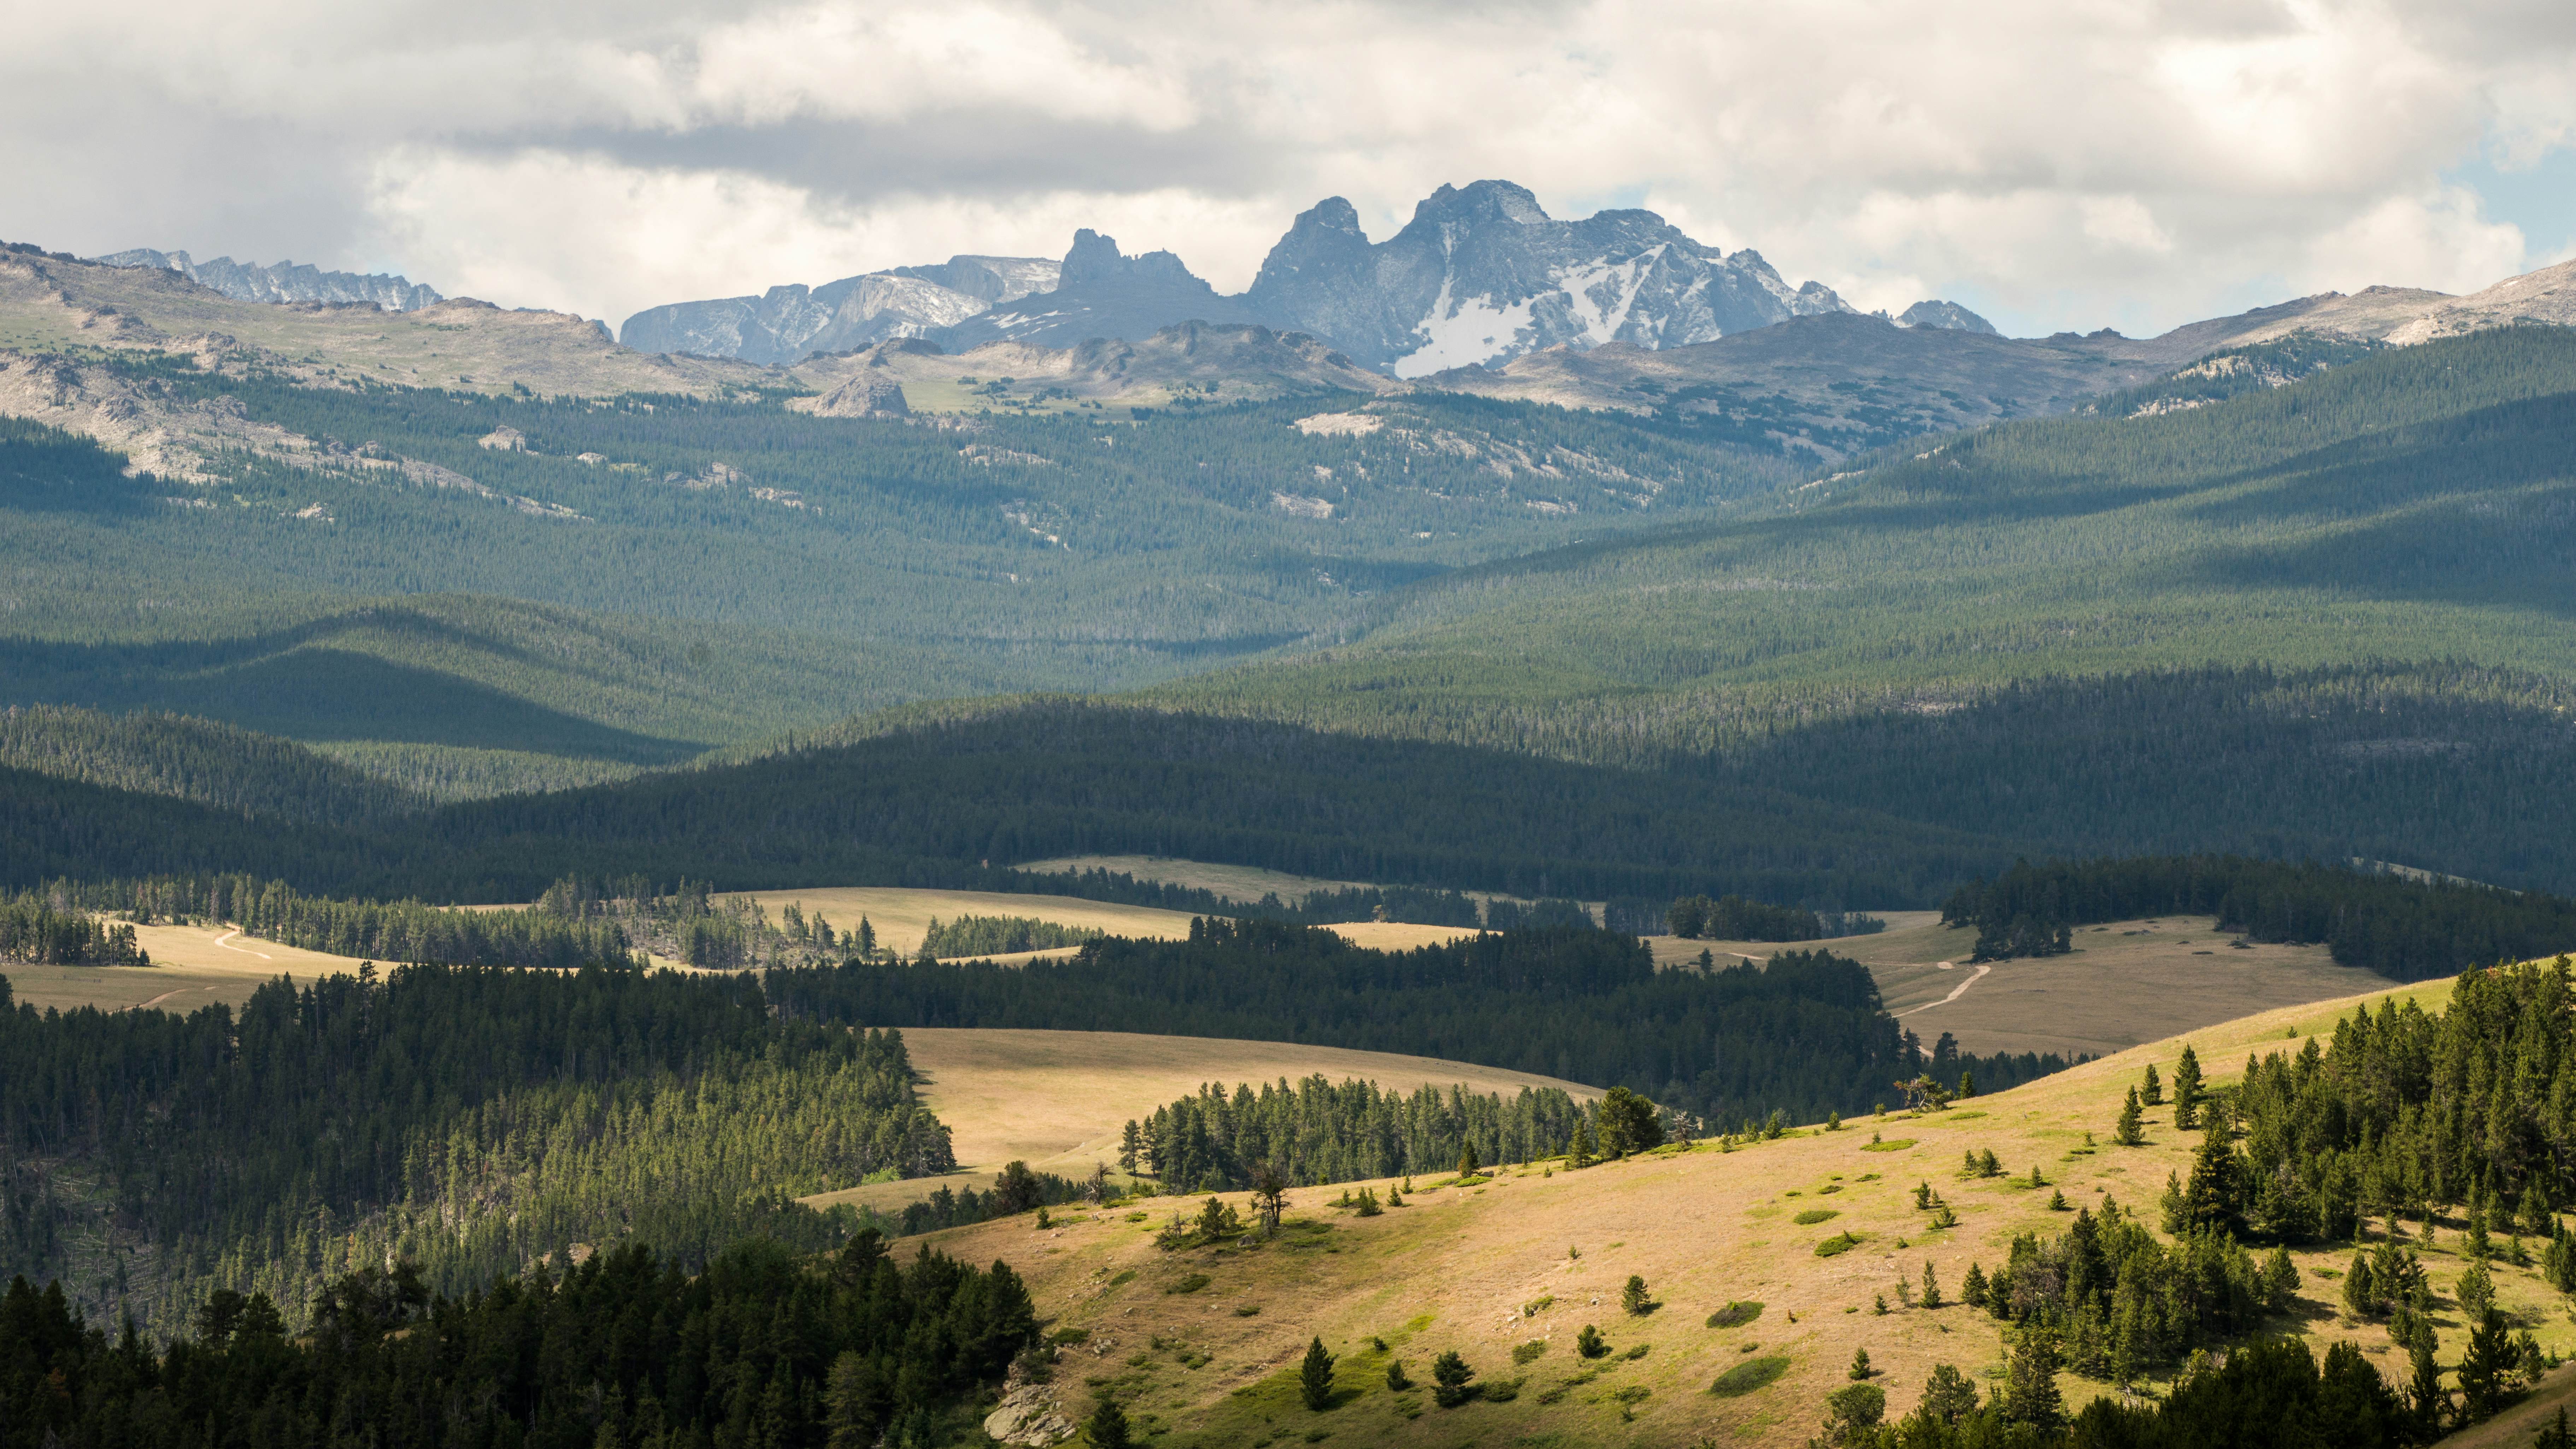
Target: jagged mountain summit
[1945,317]
[1100,293]
[1482,274]
[284,282]
[790,322]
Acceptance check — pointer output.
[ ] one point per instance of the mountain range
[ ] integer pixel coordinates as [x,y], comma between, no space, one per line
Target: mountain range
[1482,274]
[284,282]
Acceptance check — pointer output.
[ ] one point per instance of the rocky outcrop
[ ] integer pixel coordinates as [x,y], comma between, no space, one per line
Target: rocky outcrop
[862,397]
[1028,1417]
[284,282]
[1199,360]
[787,323]
[1099,293]
[1947,316]
[2547,296]
[1482,274]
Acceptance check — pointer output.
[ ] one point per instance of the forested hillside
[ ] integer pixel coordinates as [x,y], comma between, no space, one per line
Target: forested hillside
[2409,506]
[1581,1005]
[631,582]
[470,1120]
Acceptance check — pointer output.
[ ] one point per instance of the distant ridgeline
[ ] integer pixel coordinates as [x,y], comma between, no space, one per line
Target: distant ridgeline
[2403,929]
[1574,1003]
[473,1120]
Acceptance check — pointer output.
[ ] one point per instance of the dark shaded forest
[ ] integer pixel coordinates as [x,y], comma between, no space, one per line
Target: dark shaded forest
[1804,1035]
[755,1345]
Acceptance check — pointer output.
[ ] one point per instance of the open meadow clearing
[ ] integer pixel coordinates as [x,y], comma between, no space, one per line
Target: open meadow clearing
[192,966]
[1204,1342]
[1056,1099]
[2126,982]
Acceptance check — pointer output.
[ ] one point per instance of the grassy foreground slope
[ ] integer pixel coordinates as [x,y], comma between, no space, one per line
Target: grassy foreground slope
[1205,1342]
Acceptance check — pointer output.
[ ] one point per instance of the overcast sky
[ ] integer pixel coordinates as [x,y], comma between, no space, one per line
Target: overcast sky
[2052,163]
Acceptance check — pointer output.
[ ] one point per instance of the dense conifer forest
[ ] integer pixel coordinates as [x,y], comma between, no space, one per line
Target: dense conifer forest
[1319,1131]
[472,1120]
[1569,1002]
[756,1344]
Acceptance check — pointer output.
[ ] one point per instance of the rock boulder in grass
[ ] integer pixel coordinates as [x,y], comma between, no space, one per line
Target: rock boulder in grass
[1027,1416]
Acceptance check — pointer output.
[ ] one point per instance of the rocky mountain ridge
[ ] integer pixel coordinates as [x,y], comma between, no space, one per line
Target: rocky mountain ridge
[284,282]
[787,323]
[1482,274]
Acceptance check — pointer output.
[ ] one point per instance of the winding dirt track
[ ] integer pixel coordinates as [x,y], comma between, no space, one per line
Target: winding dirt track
[1955,992]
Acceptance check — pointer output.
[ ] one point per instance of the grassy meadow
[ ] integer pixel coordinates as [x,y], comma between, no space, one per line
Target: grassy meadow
[1204,1343]
[1057,1099]
[2164,977]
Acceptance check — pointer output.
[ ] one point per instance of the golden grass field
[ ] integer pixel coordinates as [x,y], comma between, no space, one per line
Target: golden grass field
[1056,1099]
[192,966]
[2125,983]
[1457,1270]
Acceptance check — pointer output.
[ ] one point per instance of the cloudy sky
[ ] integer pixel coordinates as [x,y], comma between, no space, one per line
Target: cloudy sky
[2052,163]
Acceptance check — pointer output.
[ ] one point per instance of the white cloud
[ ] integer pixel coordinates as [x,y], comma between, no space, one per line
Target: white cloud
[2128,162]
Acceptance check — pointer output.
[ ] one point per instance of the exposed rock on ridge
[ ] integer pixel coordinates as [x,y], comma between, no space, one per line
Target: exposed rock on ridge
[1483,274]
[791,322]
[1099,293]
[284,282]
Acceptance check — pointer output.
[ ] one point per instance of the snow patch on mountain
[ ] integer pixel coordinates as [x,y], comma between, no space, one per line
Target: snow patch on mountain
[1462,333]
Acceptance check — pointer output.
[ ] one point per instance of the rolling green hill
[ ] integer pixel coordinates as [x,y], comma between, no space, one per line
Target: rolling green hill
[2413,505]
[409,574]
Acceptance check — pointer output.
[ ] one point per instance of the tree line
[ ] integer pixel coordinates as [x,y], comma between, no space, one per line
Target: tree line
[1318,1131]
[34,932]
[1805,1033]
[2404,929]
[757,1344]
[1000,935]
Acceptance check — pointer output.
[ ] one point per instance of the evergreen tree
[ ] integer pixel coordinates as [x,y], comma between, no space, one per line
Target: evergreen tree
[2358,1296]
[1634,1298]
[1467,1160]
[2486,1373]
[1315,1376]
[1589,1343]
[1449,1380]
[2430,1402]
[1972,1289]
[2215,1195]
[1859,1365]
[1107,1427]
[2476,1292]
[1948,1397]
[2153,1094]
[1129,1143]
[1395,1376]
[2030,1380]
[2186,1113]
[1931,1286]
[2131,1132]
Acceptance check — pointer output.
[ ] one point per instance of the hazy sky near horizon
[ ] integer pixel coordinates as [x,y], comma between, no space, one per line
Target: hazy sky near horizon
[2052,163]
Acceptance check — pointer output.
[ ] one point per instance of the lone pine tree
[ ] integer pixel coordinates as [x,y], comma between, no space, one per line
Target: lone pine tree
[2186,1115]
[1315,1376]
